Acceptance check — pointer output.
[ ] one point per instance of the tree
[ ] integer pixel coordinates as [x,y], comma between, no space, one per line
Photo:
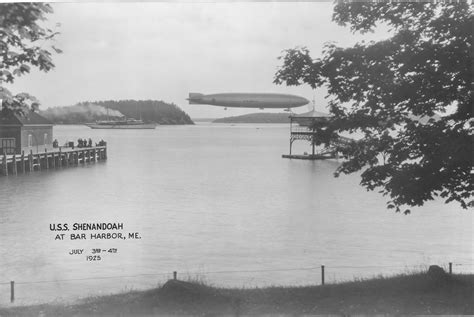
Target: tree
[393,90]
[22,46]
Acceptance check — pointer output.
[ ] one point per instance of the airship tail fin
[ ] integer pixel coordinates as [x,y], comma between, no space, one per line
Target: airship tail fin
[194,97]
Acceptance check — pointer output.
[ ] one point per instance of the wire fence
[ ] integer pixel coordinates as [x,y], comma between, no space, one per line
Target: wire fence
[31,290]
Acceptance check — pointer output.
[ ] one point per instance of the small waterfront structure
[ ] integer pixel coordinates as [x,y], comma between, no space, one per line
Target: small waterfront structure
[24,133]
[306,127]
[26,145]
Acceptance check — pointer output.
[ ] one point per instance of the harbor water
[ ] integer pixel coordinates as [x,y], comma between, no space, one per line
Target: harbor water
[215,203]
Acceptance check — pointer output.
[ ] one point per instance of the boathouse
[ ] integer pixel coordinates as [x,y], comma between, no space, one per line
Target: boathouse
[29,132]
[307,127]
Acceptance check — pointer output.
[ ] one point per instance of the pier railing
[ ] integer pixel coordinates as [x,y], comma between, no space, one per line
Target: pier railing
[316,275]
[56,158]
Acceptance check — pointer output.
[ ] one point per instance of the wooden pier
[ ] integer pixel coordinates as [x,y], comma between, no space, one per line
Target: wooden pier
[305,127]
[60,157]
[310,156]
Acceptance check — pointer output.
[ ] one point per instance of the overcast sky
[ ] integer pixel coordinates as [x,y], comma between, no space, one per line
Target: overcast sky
[165,50]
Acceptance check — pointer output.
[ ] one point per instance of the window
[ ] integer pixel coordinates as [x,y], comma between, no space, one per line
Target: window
[45,138]
[7,145]
[30,140]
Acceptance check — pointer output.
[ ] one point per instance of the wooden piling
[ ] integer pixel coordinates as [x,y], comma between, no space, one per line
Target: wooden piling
[30,161]
[38,160]
[60,158]
[5,164]
[23,162]
[46,162]
[14,167]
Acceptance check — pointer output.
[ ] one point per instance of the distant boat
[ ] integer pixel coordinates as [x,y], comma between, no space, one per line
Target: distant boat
[121,124]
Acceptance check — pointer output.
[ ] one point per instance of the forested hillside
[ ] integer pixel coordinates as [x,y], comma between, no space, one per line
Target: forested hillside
[148,110]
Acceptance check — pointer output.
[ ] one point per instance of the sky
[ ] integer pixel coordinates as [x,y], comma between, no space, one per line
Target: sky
[165,50]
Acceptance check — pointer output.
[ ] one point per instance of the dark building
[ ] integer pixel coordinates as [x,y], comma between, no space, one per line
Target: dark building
[24,133]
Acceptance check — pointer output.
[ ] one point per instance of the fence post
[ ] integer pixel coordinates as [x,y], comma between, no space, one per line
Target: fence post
[322,274]
[175,275]
[450,267]
[12,291]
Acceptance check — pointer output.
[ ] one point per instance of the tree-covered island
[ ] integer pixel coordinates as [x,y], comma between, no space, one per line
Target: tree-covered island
[256,118]
[150,111]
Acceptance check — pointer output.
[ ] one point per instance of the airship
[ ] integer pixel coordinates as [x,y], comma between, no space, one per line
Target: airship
[248,100]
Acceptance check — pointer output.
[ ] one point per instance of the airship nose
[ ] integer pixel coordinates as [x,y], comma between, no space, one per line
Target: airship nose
[303,101]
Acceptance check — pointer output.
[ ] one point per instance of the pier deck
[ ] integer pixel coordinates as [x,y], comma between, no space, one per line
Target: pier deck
[310,156]
[58,157]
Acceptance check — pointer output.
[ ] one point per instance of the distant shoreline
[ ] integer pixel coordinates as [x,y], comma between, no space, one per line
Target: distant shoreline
[256,118]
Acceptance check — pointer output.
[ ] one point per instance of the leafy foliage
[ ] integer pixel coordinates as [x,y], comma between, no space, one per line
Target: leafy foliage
[392,91]
[22,42]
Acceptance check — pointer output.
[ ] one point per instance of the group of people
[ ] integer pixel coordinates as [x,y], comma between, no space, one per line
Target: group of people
[81,143]
[84,143]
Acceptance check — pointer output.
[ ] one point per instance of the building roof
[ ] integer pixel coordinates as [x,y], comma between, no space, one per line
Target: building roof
[31,118]
[311,114]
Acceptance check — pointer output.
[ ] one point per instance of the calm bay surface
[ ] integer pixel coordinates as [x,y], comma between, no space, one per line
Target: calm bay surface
[213,202]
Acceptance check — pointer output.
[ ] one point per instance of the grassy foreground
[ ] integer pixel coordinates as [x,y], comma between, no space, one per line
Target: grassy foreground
[404,294]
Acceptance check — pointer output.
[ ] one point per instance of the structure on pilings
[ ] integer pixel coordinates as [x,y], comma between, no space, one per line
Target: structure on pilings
[305,127]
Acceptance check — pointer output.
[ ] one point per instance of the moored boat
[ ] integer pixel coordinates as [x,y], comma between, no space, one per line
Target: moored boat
[121,124]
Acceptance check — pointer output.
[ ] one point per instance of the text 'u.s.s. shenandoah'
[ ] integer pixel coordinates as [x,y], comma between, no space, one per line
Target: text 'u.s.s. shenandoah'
[102,231]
